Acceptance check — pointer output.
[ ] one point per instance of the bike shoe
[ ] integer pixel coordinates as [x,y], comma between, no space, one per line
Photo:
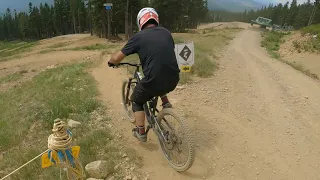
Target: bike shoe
[140,137]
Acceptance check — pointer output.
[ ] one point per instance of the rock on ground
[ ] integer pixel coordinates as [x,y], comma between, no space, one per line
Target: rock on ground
[98,169]
[112,178]
[73,124]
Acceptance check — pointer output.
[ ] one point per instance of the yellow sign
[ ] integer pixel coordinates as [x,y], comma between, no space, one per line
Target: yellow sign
[185,68]
[46,162]
[75,151]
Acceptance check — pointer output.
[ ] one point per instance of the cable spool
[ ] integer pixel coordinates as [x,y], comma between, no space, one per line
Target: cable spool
[61,138]
[61,153]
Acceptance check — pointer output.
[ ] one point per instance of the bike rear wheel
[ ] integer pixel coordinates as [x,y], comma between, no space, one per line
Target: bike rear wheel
[126,102]
[174,143]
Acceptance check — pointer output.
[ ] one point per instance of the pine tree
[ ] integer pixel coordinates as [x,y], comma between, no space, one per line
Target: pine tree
[74,6]
[303,15]
[98,16]
[23,25]
[2,35]
[293,12]
[276,14]
[316,19]
[8,26]
[82,15]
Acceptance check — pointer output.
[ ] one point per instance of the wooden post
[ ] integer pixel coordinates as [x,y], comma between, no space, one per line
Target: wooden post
[126,21]
[131,28]
[90,18]
[103,24]
[108,7]
[109,25]
[79,23]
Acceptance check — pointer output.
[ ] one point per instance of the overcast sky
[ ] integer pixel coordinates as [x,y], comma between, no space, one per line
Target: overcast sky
[21,5]
[284,1]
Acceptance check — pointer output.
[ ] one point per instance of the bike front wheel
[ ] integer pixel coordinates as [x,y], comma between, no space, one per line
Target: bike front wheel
[178,149]
[127,90]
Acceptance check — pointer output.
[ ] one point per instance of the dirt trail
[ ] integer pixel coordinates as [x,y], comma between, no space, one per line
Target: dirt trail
[257,118]
[223,25]
[33,60]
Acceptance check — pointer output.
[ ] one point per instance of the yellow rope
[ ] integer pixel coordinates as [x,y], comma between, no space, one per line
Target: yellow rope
[24,165]
[59,140]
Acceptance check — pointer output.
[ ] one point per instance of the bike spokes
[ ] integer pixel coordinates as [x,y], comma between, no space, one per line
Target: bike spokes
[127,90]
[174,143]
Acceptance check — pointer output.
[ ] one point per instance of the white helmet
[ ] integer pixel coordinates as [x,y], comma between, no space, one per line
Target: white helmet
[145,15]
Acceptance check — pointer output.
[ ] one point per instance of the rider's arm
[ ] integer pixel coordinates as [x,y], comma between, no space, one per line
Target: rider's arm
[117,57]
[131,47]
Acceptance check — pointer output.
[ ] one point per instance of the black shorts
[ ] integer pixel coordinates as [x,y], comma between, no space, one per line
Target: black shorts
[142,93]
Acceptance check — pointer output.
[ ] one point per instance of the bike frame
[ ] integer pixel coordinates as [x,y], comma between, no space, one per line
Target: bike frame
[167,139]
[150,107]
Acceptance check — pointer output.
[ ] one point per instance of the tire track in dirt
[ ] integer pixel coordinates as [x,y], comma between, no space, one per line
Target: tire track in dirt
[257,118]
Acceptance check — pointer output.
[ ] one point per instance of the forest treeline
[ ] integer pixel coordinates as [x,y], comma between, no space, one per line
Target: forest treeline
[79,16]
[290,13]
[85,16]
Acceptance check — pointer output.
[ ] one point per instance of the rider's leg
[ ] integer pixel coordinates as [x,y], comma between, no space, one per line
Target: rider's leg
[139,115]
[140,121]
[139,97]
[165,102]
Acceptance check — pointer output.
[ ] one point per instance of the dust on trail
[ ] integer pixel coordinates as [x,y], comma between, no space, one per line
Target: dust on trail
[223,25]
[257,118]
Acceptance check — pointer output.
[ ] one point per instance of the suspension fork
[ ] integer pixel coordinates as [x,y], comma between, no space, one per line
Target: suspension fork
[156,127]
[160,130]
[150,109]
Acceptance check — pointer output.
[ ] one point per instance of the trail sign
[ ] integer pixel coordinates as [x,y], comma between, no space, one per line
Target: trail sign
[108,6]
[51,157]
[185,68]
[185,55]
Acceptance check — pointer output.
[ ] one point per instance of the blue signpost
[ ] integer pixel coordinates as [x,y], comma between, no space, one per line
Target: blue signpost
[108,7]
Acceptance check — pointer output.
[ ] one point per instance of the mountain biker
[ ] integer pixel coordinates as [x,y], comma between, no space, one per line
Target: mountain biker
[155,47]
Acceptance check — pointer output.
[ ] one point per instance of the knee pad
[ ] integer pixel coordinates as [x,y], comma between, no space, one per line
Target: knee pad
[137,107]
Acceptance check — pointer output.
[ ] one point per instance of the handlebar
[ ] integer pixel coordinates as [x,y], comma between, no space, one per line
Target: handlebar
[130,64]
[117,65]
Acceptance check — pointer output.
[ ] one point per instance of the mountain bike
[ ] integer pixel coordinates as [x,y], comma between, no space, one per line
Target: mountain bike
[171,143]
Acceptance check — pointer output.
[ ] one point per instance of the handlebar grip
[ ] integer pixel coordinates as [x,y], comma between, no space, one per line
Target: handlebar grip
[111,64]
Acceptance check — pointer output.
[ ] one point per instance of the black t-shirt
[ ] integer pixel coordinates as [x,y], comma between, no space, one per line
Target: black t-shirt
[155,47]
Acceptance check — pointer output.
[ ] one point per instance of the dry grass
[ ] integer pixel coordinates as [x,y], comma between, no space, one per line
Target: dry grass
[272,40]
[95,47]
[27,115]
[8,50]
[59,45]
[105,48]
[11,77]
[207,44]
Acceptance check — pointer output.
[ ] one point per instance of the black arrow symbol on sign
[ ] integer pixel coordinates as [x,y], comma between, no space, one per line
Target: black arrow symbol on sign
[185,53]
[186,68]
